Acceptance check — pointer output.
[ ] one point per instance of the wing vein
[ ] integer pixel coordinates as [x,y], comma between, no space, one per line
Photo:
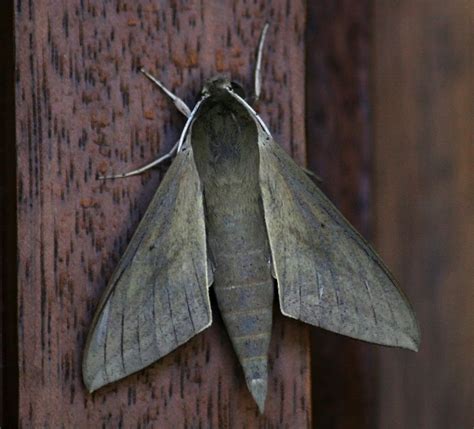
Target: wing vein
[138,340]
[153,311]
[122,321]
[366,283]
[171,314]
[197,281]
[189,309]
[106,337]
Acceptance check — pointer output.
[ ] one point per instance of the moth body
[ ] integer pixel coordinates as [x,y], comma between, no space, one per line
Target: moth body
[224,141]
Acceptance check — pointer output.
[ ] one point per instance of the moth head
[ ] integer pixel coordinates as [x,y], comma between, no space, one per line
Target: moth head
[218,84]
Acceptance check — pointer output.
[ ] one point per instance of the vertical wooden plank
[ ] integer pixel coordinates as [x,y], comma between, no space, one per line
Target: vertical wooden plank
[82,109]
[339,151]
[424,114]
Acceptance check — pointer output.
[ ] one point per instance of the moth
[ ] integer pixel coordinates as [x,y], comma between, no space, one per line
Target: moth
[236,213]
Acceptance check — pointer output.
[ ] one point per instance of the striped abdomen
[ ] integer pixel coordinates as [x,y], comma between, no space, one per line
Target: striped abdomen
[245,300]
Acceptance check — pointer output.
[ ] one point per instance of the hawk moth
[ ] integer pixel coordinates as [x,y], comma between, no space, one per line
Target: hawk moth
[236,213]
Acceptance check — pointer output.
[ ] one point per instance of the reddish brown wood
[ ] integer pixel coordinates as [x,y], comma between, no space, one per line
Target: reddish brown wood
[82,109]
[423,80]
[339,151]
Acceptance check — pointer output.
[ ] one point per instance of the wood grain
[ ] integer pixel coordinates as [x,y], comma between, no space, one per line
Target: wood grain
[83,110]
[339,147]
[424,110]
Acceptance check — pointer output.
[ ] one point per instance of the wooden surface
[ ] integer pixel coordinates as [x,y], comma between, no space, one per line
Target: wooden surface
[339,151]
[424,113]
[83,110]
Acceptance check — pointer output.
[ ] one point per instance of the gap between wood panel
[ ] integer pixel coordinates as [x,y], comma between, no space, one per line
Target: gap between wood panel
[8,225]
[339,146]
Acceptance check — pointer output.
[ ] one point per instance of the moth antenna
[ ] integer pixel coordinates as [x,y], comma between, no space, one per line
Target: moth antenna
[258,65]
[180,104]
[145,167]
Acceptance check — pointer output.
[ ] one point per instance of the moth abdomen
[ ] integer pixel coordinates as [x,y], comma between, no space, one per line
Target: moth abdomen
[246,309]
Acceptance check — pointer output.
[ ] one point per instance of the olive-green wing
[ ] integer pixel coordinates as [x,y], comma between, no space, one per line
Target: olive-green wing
[327,274]
[158,296]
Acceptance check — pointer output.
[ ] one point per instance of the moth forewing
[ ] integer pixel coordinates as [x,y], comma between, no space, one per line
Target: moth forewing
[151,305]
[327,274]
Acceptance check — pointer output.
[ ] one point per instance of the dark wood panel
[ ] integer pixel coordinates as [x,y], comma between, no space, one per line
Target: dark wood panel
[424,110]
[83,109]
[344,371]
[8,254]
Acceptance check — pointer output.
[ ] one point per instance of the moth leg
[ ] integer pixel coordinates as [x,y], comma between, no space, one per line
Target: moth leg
[180,104]
[145,167]
[258,65]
